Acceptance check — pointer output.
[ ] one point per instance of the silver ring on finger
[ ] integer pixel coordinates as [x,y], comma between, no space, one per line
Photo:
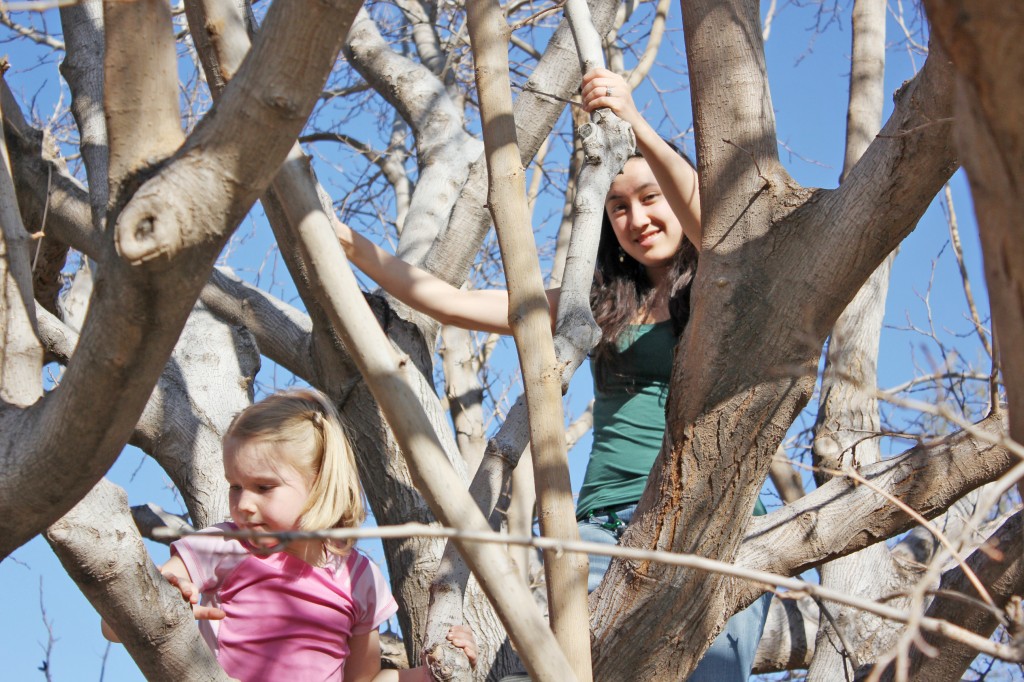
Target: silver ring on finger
[607,92]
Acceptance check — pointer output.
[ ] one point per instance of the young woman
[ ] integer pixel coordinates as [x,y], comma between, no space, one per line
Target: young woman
[646,262]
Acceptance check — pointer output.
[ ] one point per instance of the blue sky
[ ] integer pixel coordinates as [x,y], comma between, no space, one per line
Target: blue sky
[808,72]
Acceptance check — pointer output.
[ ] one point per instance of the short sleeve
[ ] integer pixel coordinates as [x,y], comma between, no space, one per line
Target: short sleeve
[371,594]
[209,557]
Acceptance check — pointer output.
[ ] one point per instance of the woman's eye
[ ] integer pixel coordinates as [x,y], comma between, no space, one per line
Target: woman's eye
[234,488]
[265,488]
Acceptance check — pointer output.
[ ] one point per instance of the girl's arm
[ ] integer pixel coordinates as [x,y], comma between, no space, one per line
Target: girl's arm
[363,662]
[479,310]
[677,178]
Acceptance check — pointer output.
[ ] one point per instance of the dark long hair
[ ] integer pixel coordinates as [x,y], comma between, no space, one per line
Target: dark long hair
[622,288]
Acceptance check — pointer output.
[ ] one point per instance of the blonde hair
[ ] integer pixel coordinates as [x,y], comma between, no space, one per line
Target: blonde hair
[305,426]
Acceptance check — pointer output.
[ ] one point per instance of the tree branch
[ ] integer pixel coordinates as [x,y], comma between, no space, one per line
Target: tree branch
[530,320]
[140,95]
[984,40]
[841,517]
[388,377]
[283,333]
[101,549]
[136,313]
[21,354]
[82,68]
[1000,566]
[445,151]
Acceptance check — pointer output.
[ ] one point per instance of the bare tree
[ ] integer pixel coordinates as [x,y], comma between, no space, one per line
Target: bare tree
[170,345]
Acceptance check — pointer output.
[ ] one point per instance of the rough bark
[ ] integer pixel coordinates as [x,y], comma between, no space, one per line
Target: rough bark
[746,364]
[985,40]
[842,516]
[122,583]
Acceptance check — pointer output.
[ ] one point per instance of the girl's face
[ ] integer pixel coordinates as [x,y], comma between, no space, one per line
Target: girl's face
[645,226]
[265,492]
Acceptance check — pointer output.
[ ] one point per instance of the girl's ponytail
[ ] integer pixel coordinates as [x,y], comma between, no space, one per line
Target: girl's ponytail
[336,496]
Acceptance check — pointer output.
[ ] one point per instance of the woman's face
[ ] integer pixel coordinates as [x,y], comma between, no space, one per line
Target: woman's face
[645,226]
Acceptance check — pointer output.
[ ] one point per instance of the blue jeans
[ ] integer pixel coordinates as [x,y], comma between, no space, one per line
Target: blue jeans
[731,655]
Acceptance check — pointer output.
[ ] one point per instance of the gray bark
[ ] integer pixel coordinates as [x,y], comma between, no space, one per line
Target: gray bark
[82,69]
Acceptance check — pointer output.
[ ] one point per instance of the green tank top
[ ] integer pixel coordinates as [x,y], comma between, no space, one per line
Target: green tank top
[629,420]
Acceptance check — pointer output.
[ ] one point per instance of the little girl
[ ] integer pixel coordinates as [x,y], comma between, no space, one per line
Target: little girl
[310,611]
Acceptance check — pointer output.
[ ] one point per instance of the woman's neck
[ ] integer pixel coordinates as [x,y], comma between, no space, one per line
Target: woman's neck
[659,275]
[655,309]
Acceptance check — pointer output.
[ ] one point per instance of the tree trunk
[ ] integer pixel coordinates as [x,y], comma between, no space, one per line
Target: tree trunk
[725,423]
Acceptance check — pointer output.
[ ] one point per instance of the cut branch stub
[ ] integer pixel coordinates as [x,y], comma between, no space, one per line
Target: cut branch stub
[153,226]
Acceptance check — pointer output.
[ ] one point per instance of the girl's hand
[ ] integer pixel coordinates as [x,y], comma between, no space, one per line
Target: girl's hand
[604,89]
[462,637]
[190,594]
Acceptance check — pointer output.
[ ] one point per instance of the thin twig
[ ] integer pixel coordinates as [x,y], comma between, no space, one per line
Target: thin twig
[753,159]
[794,588]
[46,667]
[911,131]
[36,6]
[847,649]
[46,210]
[958,252]
[557,7]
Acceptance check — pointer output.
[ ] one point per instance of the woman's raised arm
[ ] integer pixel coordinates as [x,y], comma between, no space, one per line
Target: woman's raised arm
[480,309]
[604,89]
